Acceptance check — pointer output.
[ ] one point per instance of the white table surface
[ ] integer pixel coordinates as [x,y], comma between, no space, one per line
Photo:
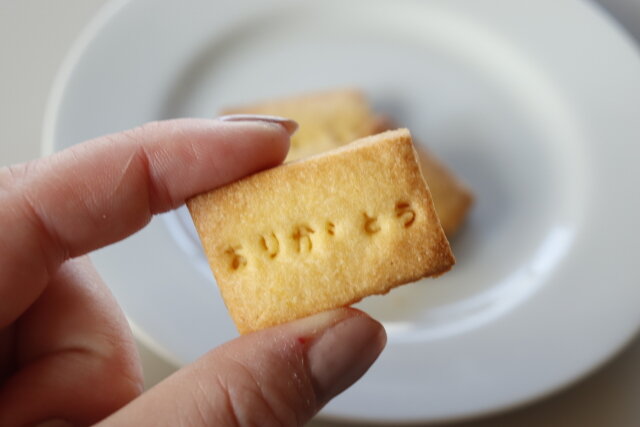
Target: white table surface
[34,37]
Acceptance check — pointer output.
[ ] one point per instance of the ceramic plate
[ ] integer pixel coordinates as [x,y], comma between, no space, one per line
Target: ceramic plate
[534,104]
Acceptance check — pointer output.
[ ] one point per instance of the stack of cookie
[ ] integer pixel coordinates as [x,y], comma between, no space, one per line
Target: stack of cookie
[349,215]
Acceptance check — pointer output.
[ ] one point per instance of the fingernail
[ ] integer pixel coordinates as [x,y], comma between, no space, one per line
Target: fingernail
[309,328]
[290,125]
[343,352]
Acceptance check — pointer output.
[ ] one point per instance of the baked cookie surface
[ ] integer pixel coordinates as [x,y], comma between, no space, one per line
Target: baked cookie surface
[322,232]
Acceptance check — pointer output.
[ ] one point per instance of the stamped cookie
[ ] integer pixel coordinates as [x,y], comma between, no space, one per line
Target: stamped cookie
[322,232]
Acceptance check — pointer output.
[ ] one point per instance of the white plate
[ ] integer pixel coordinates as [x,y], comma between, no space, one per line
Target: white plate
[534,103]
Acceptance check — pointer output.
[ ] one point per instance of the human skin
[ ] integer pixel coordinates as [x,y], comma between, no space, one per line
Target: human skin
[67,356]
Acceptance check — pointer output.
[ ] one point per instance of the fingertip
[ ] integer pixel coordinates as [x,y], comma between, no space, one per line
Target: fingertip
[340,346]
[343,354]
[270,136]
[375,324]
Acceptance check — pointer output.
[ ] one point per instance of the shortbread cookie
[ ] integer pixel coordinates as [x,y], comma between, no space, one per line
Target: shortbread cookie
[331,119]
[322,232]
[452,198]
[327,119]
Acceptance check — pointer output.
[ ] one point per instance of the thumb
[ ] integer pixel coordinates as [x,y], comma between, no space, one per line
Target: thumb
[278,376]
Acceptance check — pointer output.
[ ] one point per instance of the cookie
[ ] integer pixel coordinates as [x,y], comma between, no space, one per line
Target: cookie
[322,232]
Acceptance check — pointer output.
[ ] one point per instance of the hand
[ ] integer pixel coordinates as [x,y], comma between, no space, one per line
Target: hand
[66,352]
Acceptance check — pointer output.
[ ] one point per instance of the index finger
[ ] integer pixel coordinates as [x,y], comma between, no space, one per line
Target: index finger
[101,191]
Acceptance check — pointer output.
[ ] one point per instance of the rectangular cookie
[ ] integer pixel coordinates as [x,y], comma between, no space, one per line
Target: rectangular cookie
[334,118]
[327,120]
[452,198]
[322,232]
